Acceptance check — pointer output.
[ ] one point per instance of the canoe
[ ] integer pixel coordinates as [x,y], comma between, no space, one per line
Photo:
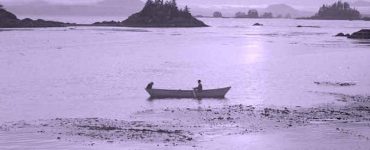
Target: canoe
[211,93]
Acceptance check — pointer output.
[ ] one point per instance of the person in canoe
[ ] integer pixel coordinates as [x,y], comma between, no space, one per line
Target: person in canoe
[200,86]
[150,85]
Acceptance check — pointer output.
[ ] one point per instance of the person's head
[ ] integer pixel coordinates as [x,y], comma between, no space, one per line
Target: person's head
[199,81]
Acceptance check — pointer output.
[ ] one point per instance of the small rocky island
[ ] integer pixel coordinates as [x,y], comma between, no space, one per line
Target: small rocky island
[158,14]
[362,34]
[9,20]
[337,11]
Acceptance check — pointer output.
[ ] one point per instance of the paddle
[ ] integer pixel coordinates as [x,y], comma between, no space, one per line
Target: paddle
[194,93]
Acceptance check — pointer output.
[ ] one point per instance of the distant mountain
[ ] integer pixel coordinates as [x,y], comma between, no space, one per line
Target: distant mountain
[284,9]
[102,8]
[9,20]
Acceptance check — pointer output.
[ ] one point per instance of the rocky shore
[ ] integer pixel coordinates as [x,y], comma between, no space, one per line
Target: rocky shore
[188,126]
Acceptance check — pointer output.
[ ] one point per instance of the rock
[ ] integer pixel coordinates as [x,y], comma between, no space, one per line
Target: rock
[362,34]
[340,34]
[336,83]
[343,35]
[257,24]
[301,26]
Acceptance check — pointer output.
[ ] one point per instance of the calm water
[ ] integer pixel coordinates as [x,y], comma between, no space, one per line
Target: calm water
[102,71]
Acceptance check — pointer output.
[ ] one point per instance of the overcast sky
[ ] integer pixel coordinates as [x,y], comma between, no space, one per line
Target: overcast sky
[205,3]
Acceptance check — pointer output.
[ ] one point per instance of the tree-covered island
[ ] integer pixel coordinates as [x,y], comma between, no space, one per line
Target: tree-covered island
[337,11]
[159,13]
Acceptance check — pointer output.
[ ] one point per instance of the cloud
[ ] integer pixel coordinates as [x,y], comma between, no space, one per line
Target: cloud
[51,1]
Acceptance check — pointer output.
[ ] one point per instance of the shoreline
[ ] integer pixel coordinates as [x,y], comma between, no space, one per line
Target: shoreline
[193,127]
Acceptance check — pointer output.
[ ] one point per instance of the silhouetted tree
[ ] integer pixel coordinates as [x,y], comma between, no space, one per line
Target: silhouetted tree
[253,13]
[149,2]
[267,15]
[186,9]
[346,5]
[158,2]
[217,14]
[173,2]
[240,15]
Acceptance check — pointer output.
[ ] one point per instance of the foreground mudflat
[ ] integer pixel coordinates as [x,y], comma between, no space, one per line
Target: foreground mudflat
[203,127]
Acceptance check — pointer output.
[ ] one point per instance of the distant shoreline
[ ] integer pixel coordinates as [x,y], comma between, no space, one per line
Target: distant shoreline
[308,18]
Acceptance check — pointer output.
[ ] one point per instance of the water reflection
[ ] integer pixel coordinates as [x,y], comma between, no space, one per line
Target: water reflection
[200,101]
[362,42]
[150,99]
[254,47]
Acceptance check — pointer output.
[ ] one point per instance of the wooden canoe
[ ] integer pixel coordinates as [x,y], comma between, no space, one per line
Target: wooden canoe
[211,93]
